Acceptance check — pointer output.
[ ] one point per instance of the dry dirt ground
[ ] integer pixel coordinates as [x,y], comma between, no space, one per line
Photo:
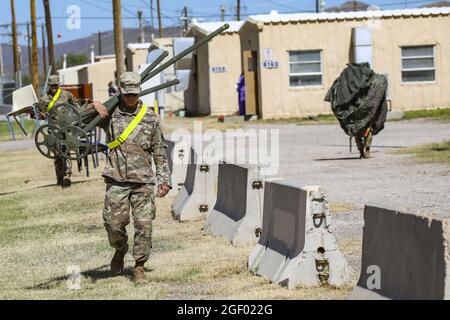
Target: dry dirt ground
[45,230]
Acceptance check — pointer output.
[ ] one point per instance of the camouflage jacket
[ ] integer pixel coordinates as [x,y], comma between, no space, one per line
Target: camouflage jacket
[64,97]
[132,160]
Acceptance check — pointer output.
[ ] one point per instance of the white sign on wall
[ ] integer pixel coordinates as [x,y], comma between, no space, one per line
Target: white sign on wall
[270,64]
[267,54]
[219,69]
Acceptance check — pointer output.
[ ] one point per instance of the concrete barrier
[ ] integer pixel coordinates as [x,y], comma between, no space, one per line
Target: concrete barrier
[179,156]
[197,196]
[237,213]
[296,247]
[405,254]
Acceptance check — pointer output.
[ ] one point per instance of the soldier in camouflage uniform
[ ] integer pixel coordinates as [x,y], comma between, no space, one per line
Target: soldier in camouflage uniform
[63,167]
[129,177]
[375,96]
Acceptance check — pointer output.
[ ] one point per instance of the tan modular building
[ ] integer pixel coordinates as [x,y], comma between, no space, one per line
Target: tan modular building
[216,67]
[174,100]
[136,55]
[98,73]
[291,60]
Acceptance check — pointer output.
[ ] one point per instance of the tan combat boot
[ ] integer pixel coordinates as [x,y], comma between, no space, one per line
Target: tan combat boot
[139,273]
[117,261]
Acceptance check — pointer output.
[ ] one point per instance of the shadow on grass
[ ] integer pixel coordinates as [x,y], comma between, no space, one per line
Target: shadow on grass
[44,186]
[337,159]
[99,273]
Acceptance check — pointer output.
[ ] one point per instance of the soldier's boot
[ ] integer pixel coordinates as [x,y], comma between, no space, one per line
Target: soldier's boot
[367,144]
[360,145]
[367,152]
[66,182]
[117,262]
[139,273]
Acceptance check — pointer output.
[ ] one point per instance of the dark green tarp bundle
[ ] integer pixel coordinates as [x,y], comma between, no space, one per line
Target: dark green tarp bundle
[358,99]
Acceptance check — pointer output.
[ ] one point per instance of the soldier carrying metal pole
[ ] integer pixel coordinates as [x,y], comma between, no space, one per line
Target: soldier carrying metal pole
[135,138]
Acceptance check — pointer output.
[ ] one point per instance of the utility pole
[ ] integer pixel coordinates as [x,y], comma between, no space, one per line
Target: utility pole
[44,58]
[29,48]
[1,59]
[151,19]
[222,13]
[317,6]
[238,10]
[185,19]
[141,35]
[99,43]
[14,40]
[159,19]
[48,24]
[34,55]
[118,38]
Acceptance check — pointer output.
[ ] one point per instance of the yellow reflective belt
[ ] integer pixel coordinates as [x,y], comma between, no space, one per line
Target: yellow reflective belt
[50,105]
[129,129]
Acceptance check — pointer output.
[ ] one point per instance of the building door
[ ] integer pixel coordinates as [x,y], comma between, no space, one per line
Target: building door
[251,82]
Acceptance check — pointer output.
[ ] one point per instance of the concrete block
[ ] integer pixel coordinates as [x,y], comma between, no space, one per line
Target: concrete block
[197,196]
[237,214]
[179,156]
[297,247]
[405,254]
[394,115]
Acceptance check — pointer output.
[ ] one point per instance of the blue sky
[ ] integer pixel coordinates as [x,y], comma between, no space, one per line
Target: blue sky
[96,14]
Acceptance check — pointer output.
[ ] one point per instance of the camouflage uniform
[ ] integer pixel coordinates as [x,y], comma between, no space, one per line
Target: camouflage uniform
[375,95]
[63,167]
[130,180]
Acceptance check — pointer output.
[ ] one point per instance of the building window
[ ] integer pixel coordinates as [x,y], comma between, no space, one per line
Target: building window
[418,64]
[305,68]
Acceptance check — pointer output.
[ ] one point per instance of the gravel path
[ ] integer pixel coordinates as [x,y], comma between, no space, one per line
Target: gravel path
[319,155]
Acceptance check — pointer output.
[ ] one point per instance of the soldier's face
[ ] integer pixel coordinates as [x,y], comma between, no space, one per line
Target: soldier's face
[53,88]
[130,100]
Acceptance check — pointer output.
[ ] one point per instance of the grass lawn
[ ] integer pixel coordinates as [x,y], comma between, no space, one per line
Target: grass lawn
[5,134]
[438,114]
[45,230]
[430,153]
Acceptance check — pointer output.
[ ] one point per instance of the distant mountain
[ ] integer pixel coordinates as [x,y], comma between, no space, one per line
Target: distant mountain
[436,4]
[349,6]
[80,46]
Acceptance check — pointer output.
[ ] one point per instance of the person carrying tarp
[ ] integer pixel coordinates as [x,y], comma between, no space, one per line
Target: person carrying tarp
[358,100]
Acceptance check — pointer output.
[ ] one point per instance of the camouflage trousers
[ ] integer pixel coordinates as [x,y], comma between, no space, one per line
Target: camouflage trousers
[63,168]
[364,143]
[119,199]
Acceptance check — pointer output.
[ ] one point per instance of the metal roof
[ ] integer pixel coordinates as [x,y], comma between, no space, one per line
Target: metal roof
[138,46]
[275,17]
[208,27]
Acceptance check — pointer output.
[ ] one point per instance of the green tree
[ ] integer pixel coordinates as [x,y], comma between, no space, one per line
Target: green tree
[72,60]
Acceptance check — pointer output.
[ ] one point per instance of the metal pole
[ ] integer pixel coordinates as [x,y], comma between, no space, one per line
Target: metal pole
[238,10]
[1,60]
[99,43]
[29,48]
[44,58]
[159,19]
[222,13]
[141,35]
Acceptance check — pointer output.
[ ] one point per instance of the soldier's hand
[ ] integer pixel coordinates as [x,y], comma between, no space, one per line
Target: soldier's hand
[163,189]
[101,109]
